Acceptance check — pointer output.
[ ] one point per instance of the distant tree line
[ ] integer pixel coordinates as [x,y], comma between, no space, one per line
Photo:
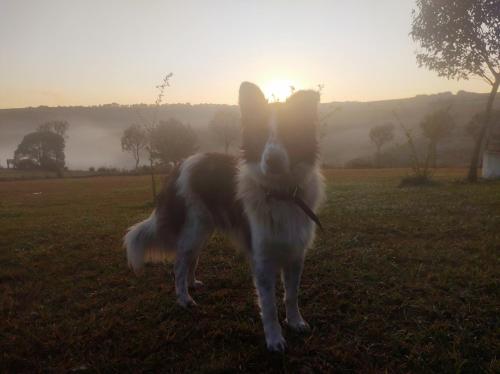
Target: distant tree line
[436,127]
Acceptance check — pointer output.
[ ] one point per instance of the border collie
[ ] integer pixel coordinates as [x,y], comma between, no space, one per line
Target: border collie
[264,200]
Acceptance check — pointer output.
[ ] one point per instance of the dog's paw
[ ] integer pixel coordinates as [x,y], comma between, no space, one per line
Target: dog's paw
[301,326]
[196,284]
[276,344]
[186,302]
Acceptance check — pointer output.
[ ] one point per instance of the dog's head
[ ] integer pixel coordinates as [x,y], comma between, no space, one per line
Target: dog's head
[280,145]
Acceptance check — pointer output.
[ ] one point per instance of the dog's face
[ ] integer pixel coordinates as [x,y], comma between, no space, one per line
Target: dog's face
[279,143]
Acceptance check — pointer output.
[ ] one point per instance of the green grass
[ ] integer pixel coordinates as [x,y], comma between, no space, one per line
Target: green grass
[403,280]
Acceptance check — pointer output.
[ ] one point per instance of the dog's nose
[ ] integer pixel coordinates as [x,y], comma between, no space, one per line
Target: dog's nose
[275,165]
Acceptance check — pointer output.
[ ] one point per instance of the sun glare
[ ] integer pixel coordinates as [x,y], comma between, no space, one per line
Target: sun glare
[278,90]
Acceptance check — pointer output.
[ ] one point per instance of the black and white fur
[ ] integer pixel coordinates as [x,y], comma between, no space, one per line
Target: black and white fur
[216,191]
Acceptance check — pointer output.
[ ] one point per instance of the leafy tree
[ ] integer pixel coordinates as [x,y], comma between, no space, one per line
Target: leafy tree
[171,141]
[44,149]
[458,40]
[58,127]
[134,140]
[226,127]
[26,164]
[381,135]
[437,126]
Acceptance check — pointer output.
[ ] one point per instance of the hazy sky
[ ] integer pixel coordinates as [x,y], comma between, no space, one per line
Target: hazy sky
[83,52]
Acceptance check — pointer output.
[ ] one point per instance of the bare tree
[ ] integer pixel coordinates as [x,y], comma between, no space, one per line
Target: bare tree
[458,40]
[421,172]
[150,124]
[225,125]
[381,135]
[437,126]
[134,140]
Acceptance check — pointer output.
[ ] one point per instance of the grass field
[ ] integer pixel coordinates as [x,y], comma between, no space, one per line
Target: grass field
[15,174]
[403,280]
[19,175]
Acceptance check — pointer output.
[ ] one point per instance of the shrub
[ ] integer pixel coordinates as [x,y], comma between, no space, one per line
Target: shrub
[417,181]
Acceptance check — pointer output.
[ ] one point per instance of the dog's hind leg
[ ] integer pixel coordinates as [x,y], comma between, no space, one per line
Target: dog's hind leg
[189,245]
[193,264]
[292,272]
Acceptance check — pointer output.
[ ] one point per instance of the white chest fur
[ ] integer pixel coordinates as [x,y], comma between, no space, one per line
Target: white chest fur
[279,225]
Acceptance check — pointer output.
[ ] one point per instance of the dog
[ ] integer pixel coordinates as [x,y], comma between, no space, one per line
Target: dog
[264,200]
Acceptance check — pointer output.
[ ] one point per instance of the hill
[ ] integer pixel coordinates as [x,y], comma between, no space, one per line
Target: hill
[94,134]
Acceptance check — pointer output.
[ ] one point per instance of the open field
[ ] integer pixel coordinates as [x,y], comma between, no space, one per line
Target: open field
[403,280]
[19,175]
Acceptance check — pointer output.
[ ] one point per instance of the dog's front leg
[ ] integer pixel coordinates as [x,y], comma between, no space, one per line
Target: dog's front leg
[265,274]
[292,273]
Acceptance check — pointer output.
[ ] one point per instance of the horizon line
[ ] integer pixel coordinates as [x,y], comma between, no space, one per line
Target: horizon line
[226,104]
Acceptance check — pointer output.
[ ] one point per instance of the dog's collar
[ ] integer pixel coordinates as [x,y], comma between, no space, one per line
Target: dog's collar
[293,195]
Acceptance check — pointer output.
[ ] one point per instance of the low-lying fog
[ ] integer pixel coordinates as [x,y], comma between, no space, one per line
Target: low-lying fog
[94,133]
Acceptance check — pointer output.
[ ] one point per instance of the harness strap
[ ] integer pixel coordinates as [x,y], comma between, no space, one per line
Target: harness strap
[293,197]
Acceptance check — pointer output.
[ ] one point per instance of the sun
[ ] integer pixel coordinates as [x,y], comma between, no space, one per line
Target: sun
[278,90]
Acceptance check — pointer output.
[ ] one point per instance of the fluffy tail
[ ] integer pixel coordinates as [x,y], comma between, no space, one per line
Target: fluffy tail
[142,244]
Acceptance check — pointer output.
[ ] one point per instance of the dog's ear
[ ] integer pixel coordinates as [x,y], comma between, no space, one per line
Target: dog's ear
[304,103]
[251,99]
